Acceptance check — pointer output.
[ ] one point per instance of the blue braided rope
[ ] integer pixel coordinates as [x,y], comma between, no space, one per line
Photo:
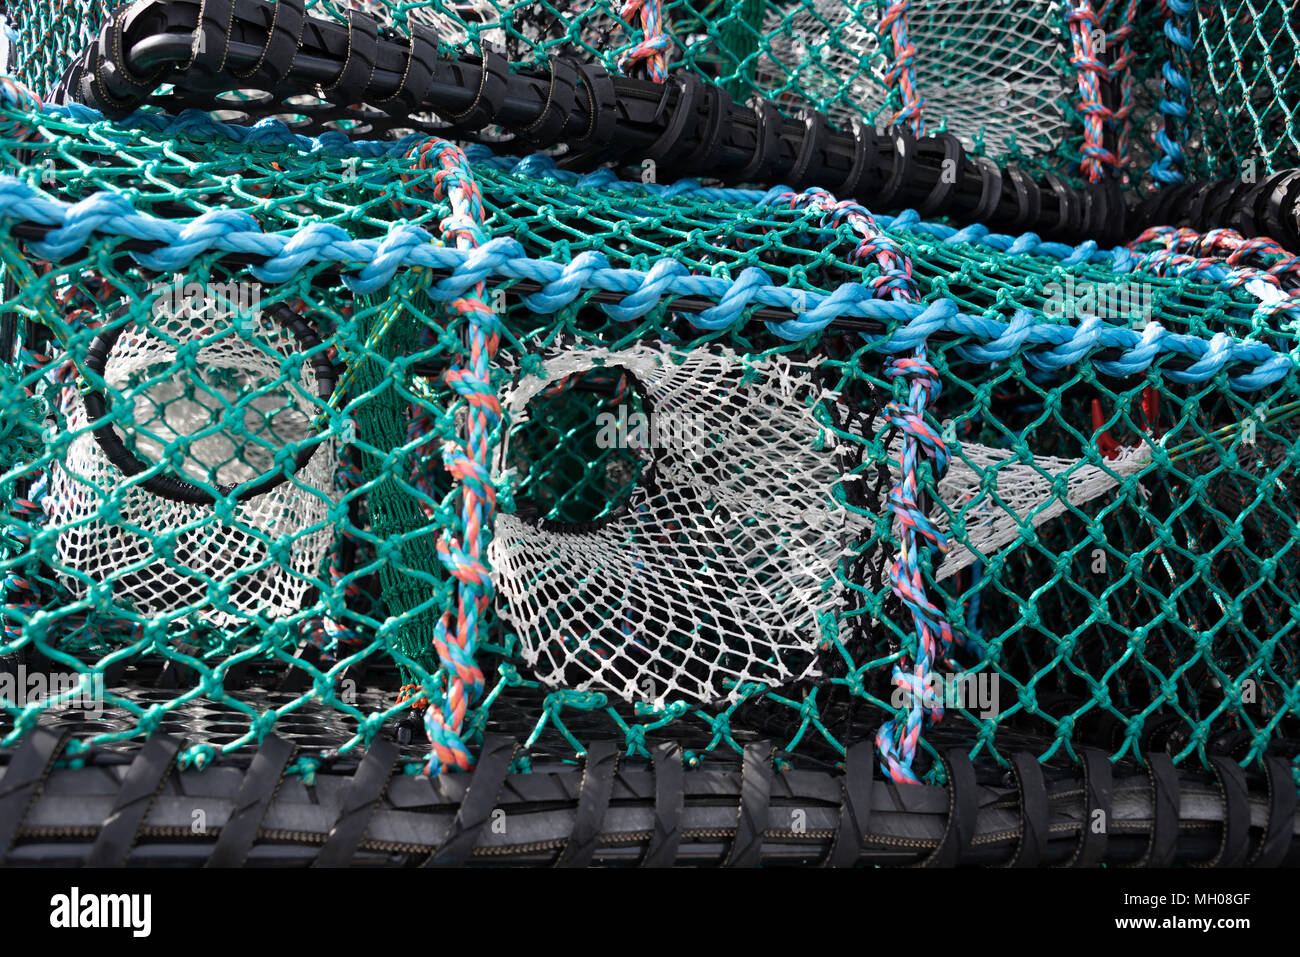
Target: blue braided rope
[374,262]
[1170,167]
[272,133]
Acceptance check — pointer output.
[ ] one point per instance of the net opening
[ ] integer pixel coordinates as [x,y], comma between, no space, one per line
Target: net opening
[179,410]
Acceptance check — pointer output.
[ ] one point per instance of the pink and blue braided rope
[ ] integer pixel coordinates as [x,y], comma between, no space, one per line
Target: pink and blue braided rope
[463,550]
[1085,24]
[897,745]
[902,72]
[652,50]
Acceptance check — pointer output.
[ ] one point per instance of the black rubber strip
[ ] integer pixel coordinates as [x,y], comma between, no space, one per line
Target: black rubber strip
[144,779]
[690,89]
[1155,732]
[287,23]
[414,814]
[704,155]
[1098,787]
[535,130]
[945,184]
[1235,842]
[1028,202]
[353,80]
[23,779]
[480,799]
[256,793]
[602,106]
[365,791]
[963,806]
[212,46]
[855,804]
[107,66]
[419,71]
[1165,793]
[1034,812]
[767,135]
[493,84]
[1068,210]
[906,148]
[990,188]
[1275,842]
[670,797]
[811,146]
[864,156]
[755,799]
[593,802]
[561,96]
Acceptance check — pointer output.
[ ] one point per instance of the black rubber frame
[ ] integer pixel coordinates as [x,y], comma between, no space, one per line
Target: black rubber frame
[617,809]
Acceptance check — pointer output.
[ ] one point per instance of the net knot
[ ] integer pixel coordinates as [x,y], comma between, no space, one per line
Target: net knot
[305,768]
[196,756]
[557,701]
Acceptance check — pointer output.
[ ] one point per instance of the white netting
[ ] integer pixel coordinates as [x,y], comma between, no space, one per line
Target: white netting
[990,70]
[216,408]
[714,573]
[720,566]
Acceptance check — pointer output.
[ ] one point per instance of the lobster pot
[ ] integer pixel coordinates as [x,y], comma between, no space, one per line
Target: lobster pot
[225,405]
[1230,112]
[604,461]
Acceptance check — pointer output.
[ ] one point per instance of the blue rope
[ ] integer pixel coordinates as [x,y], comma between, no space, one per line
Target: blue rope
[274,134]
[1046,345]
[1169,168]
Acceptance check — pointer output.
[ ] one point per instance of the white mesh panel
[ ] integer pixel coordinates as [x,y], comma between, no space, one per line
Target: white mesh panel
[158,553]
[984,67]
[714,577]
[719,568]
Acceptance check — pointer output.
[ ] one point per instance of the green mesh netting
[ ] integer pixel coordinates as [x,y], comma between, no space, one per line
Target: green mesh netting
[1217,90]
[1244,88]
[1120,567]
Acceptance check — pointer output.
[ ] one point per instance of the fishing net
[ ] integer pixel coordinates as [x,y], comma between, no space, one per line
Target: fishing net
[992,74]
[1226,85]
[752,538]
[586,458]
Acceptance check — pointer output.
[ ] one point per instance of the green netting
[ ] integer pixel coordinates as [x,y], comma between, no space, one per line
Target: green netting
[1218,90]
[1006,77]
[1155,608]
[1244,88]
